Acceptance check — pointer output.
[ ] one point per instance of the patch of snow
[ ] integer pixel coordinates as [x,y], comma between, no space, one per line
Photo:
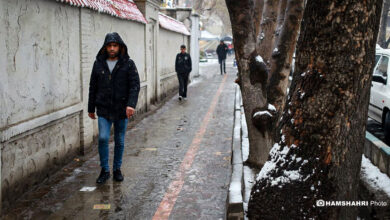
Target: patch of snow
[303,74]
[245,149]
[262,36]
[276,49]
[235,192]
[374,176]
[259,59]
[249,181]
[312,188]
[302,95]
[283,138]
[259,113]
[271,107]
[278,156]
[77,171]
[292,121]
[88,188]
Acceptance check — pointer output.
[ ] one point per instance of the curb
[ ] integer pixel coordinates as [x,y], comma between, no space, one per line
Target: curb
[234,206]
[243,177]
[378,152]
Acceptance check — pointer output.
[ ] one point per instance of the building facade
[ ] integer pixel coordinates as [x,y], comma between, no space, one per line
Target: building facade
[50,48]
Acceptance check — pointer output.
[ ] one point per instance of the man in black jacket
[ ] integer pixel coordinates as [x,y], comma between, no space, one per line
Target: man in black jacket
[222,50]
[113,91]
[183,67]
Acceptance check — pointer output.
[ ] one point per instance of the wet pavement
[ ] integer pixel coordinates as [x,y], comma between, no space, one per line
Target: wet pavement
[176,164]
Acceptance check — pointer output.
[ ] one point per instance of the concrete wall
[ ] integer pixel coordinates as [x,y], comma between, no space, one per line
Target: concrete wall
[49,49]
[40,91]
[167,56]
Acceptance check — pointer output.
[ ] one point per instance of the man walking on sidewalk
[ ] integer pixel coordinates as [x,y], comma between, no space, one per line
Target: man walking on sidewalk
[113,91]
[183,67]
[222,50]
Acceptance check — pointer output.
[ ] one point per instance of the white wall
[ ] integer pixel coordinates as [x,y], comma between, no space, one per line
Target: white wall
[169,46]
[41,62]
[40,89]
[49,49]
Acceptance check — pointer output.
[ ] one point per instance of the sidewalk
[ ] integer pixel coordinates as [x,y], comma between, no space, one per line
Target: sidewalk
[176,164]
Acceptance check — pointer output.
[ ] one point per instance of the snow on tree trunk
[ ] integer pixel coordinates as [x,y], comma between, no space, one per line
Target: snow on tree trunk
[252,79]
[383,24]
[323,125]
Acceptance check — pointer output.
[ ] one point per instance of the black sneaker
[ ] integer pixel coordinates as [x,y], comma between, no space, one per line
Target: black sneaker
[103,177]
[118,175]
[180,98]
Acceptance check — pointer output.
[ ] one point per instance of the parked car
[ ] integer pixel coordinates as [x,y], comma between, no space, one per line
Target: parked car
[209,55]
[380,91]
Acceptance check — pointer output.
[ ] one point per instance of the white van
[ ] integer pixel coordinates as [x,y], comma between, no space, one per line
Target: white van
[380,91]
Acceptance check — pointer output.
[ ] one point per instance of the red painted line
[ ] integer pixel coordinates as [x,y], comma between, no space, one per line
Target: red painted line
[170,197]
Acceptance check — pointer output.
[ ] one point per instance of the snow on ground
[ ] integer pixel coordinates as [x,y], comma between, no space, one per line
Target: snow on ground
[245,149]
[372,175]
[209,62]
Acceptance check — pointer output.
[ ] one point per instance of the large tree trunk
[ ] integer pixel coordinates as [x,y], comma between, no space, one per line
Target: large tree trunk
[383,24]
[318,154]
[268,24]
[252,76]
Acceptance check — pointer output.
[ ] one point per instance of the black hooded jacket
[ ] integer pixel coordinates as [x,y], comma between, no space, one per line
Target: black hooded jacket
[221,51]
[111,93]
[183,63]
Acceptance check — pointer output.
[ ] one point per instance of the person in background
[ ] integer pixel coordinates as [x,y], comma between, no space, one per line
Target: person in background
[222,50]
[183,68]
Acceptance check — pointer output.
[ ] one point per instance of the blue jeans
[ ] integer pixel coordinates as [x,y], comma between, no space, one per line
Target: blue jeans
[104,137]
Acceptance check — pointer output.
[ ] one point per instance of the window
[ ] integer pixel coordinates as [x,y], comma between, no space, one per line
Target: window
[381,69]
[377,58]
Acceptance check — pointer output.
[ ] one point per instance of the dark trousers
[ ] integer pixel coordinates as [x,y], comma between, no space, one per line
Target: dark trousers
[222,62]
[183,83]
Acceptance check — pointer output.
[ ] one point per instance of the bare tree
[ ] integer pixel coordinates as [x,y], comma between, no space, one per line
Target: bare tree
[383,25]
[280,20]
[259,6]
[282,55]
[267,29]
[253,70]
[319,147]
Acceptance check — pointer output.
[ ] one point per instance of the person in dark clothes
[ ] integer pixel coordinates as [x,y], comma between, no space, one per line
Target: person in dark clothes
[183,67]
[222,50]
[113,92]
